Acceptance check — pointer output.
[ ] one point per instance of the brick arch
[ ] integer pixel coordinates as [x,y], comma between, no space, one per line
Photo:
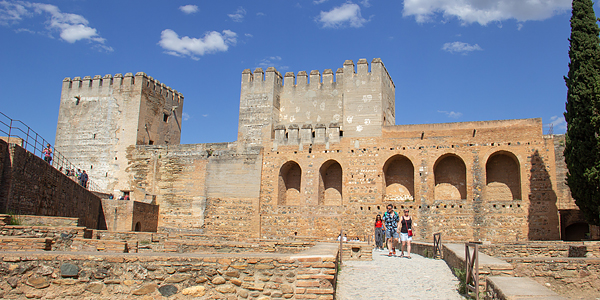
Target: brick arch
[330,183]
[290,179]
[450,174]
[502,177]
[399,178]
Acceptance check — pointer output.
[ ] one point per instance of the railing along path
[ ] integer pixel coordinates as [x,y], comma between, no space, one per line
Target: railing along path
[19,133]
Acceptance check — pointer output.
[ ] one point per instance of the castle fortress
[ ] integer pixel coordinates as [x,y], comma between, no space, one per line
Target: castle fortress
[316,155]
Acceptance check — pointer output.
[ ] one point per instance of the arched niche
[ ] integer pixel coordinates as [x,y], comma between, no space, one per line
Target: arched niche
[450,178]
[330,183]
[502,177]
[290,178]
[399,179]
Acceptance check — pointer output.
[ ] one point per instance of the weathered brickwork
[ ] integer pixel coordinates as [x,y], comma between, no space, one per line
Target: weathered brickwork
[124,215]
[446,189]
[574,277]
[32,186]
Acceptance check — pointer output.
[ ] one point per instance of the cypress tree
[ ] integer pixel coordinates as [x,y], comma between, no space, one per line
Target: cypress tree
[582,148]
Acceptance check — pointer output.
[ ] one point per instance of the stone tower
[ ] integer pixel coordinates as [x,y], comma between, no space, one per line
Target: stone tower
[313,108]
[100,117]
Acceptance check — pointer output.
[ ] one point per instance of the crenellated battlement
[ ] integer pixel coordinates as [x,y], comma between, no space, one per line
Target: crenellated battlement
[128,81]
[306,134]
[314,78]
[358,97]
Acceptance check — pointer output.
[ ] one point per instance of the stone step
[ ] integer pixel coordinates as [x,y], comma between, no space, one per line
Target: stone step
[25,244]
[112,246]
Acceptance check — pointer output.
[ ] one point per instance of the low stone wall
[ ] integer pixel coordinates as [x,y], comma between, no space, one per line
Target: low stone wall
[357,251]
[30,186]
[506,288]
[543,249]
[309,275]
[61,237]
[25,244]
[91,245]
[566,276]
[47,221]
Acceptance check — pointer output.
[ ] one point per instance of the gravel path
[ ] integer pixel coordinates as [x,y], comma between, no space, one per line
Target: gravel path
[396,278]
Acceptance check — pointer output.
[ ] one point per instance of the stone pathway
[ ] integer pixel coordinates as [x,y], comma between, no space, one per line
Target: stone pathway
[396,278]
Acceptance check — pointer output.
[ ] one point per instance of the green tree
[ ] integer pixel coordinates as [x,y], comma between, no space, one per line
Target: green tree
[582,148]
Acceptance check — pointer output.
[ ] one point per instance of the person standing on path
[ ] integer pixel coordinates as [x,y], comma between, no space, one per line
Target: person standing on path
[47,153]
[406,233]
[83,179]
[379,233]
[390,226]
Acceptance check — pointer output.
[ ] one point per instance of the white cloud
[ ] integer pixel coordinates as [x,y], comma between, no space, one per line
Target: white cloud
[189,9]
[239,14]
[365,3]
[485,11]
[451,114]
[460,47]
[558,123]
[319,1]
[185,116]
[185,46]
[346,14]
[71,27]
[260,14]
[248,35]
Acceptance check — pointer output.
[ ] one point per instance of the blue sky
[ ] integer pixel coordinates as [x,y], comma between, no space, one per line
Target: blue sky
[451,60]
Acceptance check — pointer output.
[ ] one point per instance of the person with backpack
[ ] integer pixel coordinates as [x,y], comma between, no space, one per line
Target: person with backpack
[390,226]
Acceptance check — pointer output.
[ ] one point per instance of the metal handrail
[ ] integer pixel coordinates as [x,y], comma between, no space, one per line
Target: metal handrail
[20,134]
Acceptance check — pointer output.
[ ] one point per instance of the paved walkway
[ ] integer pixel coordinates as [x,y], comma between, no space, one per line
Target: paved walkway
[396,278]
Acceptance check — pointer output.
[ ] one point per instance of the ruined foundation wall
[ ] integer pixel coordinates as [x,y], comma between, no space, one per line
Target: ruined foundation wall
[36,188]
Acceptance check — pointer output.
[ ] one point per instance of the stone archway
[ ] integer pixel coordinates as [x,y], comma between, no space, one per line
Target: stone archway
[290,179]
[450,178]
[330,183]
[503,177]
[399,179]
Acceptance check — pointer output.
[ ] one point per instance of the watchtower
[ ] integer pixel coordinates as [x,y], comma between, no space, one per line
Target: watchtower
[310,108]
[100,117]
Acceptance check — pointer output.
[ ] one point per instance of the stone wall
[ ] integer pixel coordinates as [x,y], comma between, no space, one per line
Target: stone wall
[211,276]
[450,191]
[543,249]
[34,187]
[123,215]
[576,277]
[186,180]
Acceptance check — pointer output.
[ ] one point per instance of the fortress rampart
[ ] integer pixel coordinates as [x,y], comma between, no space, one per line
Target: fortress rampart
[317,152]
